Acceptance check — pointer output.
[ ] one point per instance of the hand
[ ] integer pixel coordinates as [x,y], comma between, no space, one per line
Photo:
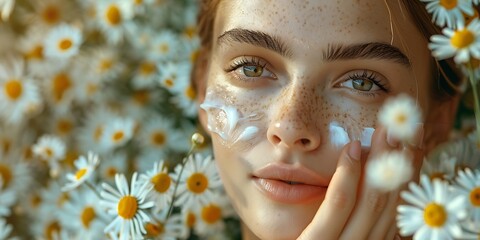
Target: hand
[352,209]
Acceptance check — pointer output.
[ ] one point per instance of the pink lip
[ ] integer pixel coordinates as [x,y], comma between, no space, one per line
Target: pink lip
[274,181]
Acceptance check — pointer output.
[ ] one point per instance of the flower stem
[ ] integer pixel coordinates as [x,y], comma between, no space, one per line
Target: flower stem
[184,162]
[89,185]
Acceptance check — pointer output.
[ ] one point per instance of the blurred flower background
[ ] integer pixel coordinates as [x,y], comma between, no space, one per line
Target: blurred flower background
[96,106]
[97,111]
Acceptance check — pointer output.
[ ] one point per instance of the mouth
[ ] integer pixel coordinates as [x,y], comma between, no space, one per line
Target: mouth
[288,184]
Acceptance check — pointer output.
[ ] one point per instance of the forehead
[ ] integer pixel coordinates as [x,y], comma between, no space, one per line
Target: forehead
[308,26]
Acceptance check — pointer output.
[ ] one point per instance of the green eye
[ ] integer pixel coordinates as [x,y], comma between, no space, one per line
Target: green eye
[253,71]
[362,84]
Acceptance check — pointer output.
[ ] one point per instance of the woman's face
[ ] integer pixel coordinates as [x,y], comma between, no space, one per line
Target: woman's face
[289,83]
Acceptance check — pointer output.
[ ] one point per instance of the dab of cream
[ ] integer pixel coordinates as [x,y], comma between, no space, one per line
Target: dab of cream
[339,137]
[227,122]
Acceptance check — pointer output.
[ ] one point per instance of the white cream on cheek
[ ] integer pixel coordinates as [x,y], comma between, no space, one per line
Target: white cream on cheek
[228,122]
[339,137]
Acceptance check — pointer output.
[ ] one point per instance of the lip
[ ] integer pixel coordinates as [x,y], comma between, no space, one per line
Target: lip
[274,181]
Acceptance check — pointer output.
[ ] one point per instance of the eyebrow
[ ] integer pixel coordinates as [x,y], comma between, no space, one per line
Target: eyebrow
[256,38]
[371,50]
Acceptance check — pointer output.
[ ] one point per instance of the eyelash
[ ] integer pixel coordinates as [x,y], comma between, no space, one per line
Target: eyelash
[371,76]
[245,61]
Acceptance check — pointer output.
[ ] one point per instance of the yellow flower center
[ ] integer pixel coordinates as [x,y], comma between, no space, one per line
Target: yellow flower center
[65,44]
[475,197]
[158,138]
[190,93]
[448,4]
[211,214]
[62,199]
[197,183]
[462,38]
[80,173]
[138,2]
[163,48]
[6,144]
[437,175]
[190,31]
[51,14]
[194,56]
[61,83]
[111,171]
[118,136]
[64,126]
[87,216]
[141,96]
[35,53]
[191,219]
[434,215]
[169,82]
[48,152]
[6,174]
[52,229]
[154,230]
[161,182]
[127,207]
[36,200]
[105,65]
[400,118]
[97,133]
[147,68]
[113,15]
[13,89]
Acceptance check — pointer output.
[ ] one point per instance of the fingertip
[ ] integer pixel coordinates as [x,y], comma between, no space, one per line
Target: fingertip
[355,150]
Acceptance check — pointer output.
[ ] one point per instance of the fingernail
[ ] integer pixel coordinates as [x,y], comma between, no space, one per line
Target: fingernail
[418,139]
[355,150]
[392,142]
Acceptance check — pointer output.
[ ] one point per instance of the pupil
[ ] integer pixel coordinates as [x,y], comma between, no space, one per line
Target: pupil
[362,85]
[252,71]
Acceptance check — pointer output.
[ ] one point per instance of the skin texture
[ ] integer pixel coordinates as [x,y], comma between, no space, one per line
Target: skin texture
[298,95]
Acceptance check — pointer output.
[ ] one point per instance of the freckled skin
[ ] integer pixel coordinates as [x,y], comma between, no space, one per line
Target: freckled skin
[306,96]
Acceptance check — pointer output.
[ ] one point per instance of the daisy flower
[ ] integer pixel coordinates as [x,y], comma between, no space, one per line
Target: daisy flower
[111,165]
[83,214]
[401,116]
[162,185]
[435,211]
[16,175]
[197,182]
[442,168]
[63,125]
[146,75]
[59,89]
[7,200]
[113,17]
[51,149]
[157,135]
[51,12]
[173,76]
[63,42]
[128,206]
[92,132]
[186,100]
[6,8]
[46,223]
[117,133]
[105,63]
[19,96]
[5,229]
[460,43]
[448,12]
[161,227]
[389,170]
[85,169]
[164,46]
[211,216]
[468,183]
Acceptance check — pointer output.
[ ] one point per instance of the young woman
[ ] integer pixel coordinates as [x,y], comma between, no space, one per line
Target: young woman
[283,82]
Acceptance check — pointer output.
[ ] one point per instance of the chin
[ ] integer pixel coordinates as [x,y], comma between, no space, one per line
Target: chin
[276,221]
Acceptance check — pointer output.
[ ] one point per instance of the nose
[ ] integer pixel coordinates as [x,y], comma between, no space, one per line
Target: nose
[294,126]
[284,134]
